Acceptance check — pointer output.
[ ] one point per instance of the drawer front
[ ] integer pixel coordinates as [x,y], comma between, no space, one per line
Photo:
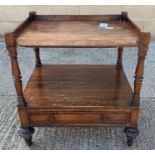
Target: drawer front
[77,118]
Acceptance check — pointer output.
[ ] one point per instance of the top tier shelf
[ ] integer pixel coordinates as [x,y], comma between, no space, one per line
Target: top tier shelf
[77,31]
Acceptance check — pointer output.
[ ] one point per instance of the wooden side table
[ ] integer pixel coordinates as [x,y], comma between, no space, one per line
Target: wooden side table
[78,95]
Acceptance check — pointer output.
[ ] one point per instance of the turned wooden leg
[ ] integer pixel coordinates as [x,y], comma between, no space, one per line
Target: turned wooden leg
[26,133]
[37,55]
[142,51]
[119,58]
[11,47]
[131,133]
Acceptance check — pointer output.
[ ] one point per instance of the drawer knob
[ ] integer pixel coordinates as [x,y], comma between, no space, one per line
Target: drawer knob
[51,119]
[104,118]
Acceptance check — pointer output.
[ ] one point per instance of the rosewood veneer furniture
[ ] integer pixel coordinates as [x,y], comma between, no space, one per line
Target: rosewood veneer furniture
[78,95]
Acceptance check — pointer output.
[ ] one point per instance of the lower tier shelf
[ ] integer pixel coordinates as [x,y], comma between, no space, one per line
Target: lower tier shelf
[78,95]
[78,86]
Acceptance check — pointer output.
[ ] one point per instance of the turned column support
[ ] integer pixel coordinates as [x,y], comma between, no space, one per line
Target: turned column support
[37,56]
[143,43]
[132,131]
[11,47]
[119,58]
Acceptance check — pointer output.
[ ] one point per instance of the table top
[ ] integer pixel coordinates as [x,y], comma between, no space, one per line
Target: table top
[78,31]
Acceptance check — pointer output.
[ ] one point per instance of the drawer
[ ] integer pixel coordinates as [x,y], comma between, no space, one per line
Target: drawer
[78,117]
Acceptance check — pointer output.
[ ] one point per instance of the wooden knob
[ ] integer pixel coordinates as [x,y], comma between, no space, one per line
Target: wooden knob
[51,118]
[104,118]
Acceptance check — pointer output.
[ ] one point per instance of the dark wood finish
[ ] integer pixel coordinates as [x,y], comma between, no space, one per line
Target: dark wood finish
[37,55]
[77,33]
[82,118]
[119,58]
[127,19]
[78,86]
[11,47]
[78,95]
[47,116]
[142,50]
[103,18]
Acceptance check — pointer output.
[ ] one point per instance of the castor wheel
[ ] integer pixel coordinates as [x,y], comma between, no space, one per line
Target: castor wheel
[129,142]
[131,133]
[28,141]
[26,133]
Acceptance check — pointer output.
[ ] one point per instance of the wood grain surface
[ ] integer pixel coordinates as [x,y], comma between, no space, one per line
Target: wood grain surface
[77,85]
[77,33]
